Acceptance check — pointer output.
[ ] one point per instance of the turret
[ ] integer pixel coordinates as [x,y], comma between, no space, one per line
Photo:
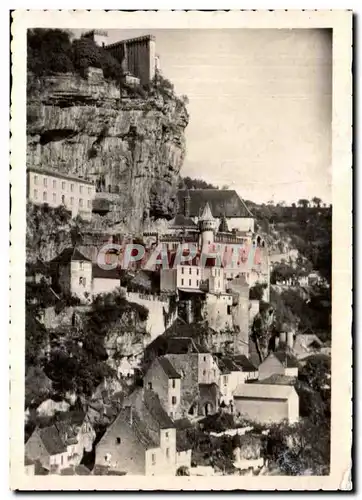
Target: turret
[207,224]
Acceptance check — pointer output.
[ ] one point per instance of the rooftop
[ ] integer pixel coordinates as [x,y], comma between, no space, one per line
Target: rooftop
[168,368]
[52,441]
[113,274]
[222,202]
[70,255]
[286,359]
[264,391]
[60,175]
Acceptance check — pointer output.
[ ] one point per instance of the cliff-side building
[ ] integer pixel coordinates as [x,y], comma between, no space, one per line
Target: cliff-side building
[56,189]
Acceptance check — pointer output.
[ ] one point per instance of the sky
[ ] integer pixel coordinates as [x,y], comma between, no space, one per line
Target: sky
[260,105]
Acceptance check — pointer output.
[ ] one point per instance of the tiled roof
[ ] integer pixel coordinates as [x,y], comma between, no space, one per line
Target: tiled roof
[244,363]
[277,379]
[154,407]
[168,368]
[52,441]
[68,255]
[79,470]
[222,202]
[286,359]
[263,391]
[182,345]
[184,222]
[227,365]
[112,274]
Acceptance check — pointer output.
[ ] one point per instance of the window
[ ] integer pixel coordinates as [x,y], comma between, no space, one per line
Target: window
[118,440]
[88,203]
[167,453]
[153,459]
[204,358]
[35,194]
[173,383]
[182,270]
[229,310]
[63,199]
[63,185]
[219,283]
[45,196]
[150,385]
[84,281]
[174,400]
[166,434]
[214,373]
[204,372]
[72,188]
[35,179]
[81,266]
[190,271]
[80,280]
[80,202]
[197,271]
[54,197]
[71,200]
[189,282]
[182,282]
[225,379]
[54,184]
[81,189]
[89,191]
[45,181]
[61,459]
[197,282]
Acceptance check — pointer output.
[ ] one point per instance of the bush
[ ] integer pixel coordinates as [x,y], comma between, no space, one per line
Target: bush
[49,51]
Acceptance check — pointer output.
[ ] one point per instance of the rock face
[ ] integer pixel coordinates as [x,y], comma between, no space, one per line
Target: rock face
[133,148]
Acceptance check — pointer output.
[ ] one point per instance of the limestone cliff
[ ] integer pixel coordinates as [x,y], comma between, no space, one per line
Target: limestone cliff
[132,147]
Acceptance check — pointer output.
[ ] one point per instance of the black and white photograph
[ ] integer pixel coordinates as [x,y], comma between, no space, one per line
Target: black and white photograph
[180,196]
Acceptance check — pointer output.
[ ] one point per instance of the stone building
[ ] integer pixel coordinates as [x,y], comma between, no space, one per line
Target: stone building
[56,189]
[234,370]
[72,272]
[63,443]
[187,384]
[141,440]
[137,56]
[278,362]
[267,404]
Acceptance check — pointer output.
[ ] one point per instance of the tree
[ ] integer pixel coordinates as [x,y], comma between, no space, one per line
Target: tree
[317,201]
[87,53]
[256,292]
[316,373]
[303,202]
[49,51]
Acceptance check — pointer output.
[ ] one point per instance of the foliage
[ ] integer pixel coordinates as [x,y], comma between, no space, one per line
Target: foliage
[52,51]
[183,471]
[49,51]
[218,422]
[189,183]
[256,292]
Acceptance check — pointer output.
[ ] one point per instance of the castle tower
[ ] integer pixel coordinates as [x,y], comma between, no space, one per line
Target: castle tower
[207,225]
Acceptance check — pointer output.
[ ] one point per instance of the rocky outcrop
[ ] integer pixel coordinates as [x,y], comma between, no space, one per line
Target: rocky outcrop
[133,148]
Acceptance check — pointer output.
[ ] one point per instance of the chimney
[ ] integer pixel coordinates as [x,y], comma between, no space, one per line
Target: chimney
[187,201]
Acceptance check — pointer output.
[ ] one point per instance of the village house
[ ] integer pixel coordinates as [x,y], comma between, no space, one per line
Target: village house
[266,404]
[234,371]
[72,273]
[187,384]
[142,439]
[76,275]
[279,362]
[56,189]
[62,443]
